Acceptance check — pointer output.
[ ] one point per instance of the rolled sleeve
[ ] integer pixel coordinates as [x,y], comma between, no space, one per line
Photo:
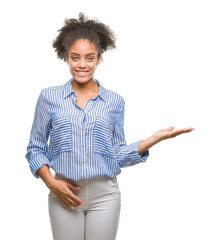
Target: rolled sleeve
[126,155]
[37,162]
[133,155]
[38,143]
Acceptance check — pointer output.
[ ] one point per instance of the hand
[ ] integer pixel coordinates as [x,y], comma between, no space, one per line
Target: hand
[62,190]
[170,132]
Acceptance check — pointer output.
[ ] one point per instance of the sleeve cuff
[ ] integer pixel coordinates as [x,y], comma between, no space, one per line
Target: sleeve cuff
[37,162]
[133,157]
[134,154]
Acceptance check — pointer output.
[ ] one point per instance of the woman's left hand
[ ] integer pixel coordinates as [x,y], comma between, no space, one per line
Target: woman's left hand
[160,135]
[170,132]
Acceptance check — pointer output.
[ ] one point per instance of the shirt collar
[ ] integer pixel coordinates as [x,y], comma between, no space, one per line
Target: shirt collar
[68,90]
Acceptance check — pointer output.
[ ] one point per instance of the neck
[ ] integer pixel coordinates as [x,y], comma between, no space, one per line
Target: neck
[86,87]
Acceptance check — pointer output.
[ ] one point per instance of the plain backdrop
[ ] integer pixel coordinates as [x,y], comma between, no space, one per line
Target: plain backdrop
[165,67]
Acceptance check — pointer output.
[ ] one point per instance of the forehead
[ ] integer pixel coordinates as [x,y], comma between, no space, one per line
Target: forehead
[83,46]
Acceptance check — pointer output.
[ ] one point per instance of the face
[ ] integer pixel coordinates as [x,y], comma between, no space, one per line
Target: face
[82,60]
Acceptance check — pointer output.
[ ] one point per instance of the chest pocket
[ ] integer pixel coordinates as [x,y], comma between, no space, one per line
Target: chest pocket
[61,135]
[102,137]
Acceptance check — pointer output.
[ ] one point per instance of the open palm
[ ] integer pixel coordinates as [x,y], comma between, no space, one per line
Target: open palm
[170,132]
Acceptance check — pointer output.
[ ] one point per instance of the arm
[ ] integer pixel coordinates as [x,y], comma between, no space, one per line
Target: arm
[37,148]
[161,135]
[125,155]
[37,155]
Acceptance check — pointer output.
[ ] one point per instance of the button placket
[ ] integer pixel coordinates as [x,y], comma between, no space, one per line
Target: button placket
[83,146]
[89,105]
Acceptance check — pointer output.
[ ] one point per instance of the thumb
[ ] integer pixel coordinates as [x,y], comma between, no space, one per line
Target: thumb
[72,186]
[170,128]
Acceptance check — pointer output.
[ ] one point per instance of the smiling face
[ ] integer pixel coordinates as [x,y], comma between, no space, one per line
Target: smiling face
[82,60]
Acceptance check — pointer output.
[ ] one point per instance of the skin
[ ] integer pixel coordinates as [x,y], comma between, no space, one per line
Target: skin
[82,57]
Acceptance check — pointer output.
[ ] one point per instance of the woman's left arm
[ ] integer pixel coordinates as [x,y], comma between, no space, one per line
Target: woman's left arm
[160,135]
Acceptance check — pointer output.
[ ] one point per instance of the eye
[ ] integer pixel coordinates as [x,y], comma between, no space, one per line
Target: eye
[89,59]
[74,58]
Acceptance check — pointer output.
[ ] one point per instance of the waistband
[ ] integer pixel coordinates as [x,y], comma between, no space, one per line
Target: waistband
[84,182]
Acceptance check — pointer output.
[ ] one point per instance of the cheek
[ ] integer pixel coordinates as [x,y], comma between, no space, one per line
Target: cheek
[71,69]
[72,66]
[93,67]
[93,70]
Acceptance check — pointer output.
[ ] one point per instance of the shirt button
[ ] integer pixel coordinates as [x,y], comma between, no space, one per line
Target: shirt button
[84,178]
[82,145]
[83,161]
[82,128]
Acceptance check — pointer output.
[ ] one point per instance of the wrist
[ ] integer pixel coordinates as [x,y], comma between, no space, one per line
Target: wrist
[147,143]
[46,176]
[50,183]
[155,138]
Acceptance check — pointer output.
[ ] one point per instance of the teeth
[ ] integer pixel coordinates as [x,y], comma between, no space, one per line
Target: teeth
[82,73]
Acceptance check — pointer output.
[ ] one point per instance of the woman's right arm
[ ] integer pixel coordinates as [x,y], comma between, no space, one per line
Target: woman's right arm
[37,154]
[61,189]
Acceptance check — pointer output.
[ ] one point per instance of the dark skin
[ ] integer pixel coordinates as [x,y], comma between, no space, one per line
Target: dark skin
[82,60]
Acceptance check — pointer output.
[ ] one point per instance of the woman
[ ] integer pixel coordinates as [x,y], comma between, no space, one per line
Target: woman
[87,148]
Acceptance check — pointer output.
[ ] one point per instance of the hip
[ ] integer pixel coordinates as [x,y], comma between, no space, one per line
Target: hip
[94,192]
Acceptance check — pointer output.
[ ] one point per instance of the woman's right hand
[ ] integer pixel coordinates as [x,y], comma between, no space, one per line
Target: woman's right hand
[62,190]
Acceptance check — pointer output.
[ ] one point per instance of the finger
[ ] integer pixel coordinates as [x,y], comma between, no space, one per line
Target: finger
[70,194]
[181,131]
[72,203]
[187,130]
[184,130]
[65,203]
[75,198]
[190,129]
[68,203]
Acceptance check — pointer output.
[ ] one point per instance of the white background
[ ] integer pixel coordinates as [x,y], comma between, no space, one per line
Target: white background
[165,67]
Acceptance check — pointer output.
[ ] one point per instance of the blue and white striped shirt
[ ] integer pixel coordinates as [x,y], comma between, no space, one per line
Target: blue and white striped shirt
[83,143]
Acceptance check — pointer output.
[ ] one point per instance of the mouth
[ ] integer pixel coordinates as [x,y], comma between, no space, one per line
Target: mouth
[82,73]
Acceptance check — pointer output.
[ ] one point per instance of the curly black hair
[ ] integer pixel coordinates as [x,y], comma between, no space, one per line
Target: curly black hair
[83,28]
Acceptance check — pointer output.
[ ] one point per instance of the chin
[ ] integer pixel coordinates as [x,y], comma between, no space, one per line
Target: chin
[82,80]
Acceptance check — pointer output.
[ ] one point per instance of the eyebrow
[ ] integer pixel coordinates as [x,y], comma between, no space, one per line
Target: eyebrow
[79,54]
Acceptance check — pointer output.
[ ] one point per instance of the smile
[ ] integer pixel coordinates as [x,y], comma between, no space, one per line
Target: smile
[82,73]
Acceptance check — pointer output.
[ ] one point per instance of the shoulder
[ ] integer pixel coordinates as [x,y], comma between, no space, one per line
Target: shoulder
[52,91]
[115,98]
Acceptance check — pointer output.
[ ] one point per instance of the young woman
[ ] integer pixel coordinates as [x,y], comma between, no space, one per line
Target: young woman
[84,123]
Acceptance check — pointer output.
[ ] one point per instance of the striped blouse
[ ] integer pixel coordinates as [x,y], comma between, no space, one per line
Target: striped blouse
[80,143]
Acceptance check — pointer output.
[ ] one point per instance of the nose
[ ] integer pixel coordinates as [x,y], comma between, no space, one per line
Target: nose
[82,63]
